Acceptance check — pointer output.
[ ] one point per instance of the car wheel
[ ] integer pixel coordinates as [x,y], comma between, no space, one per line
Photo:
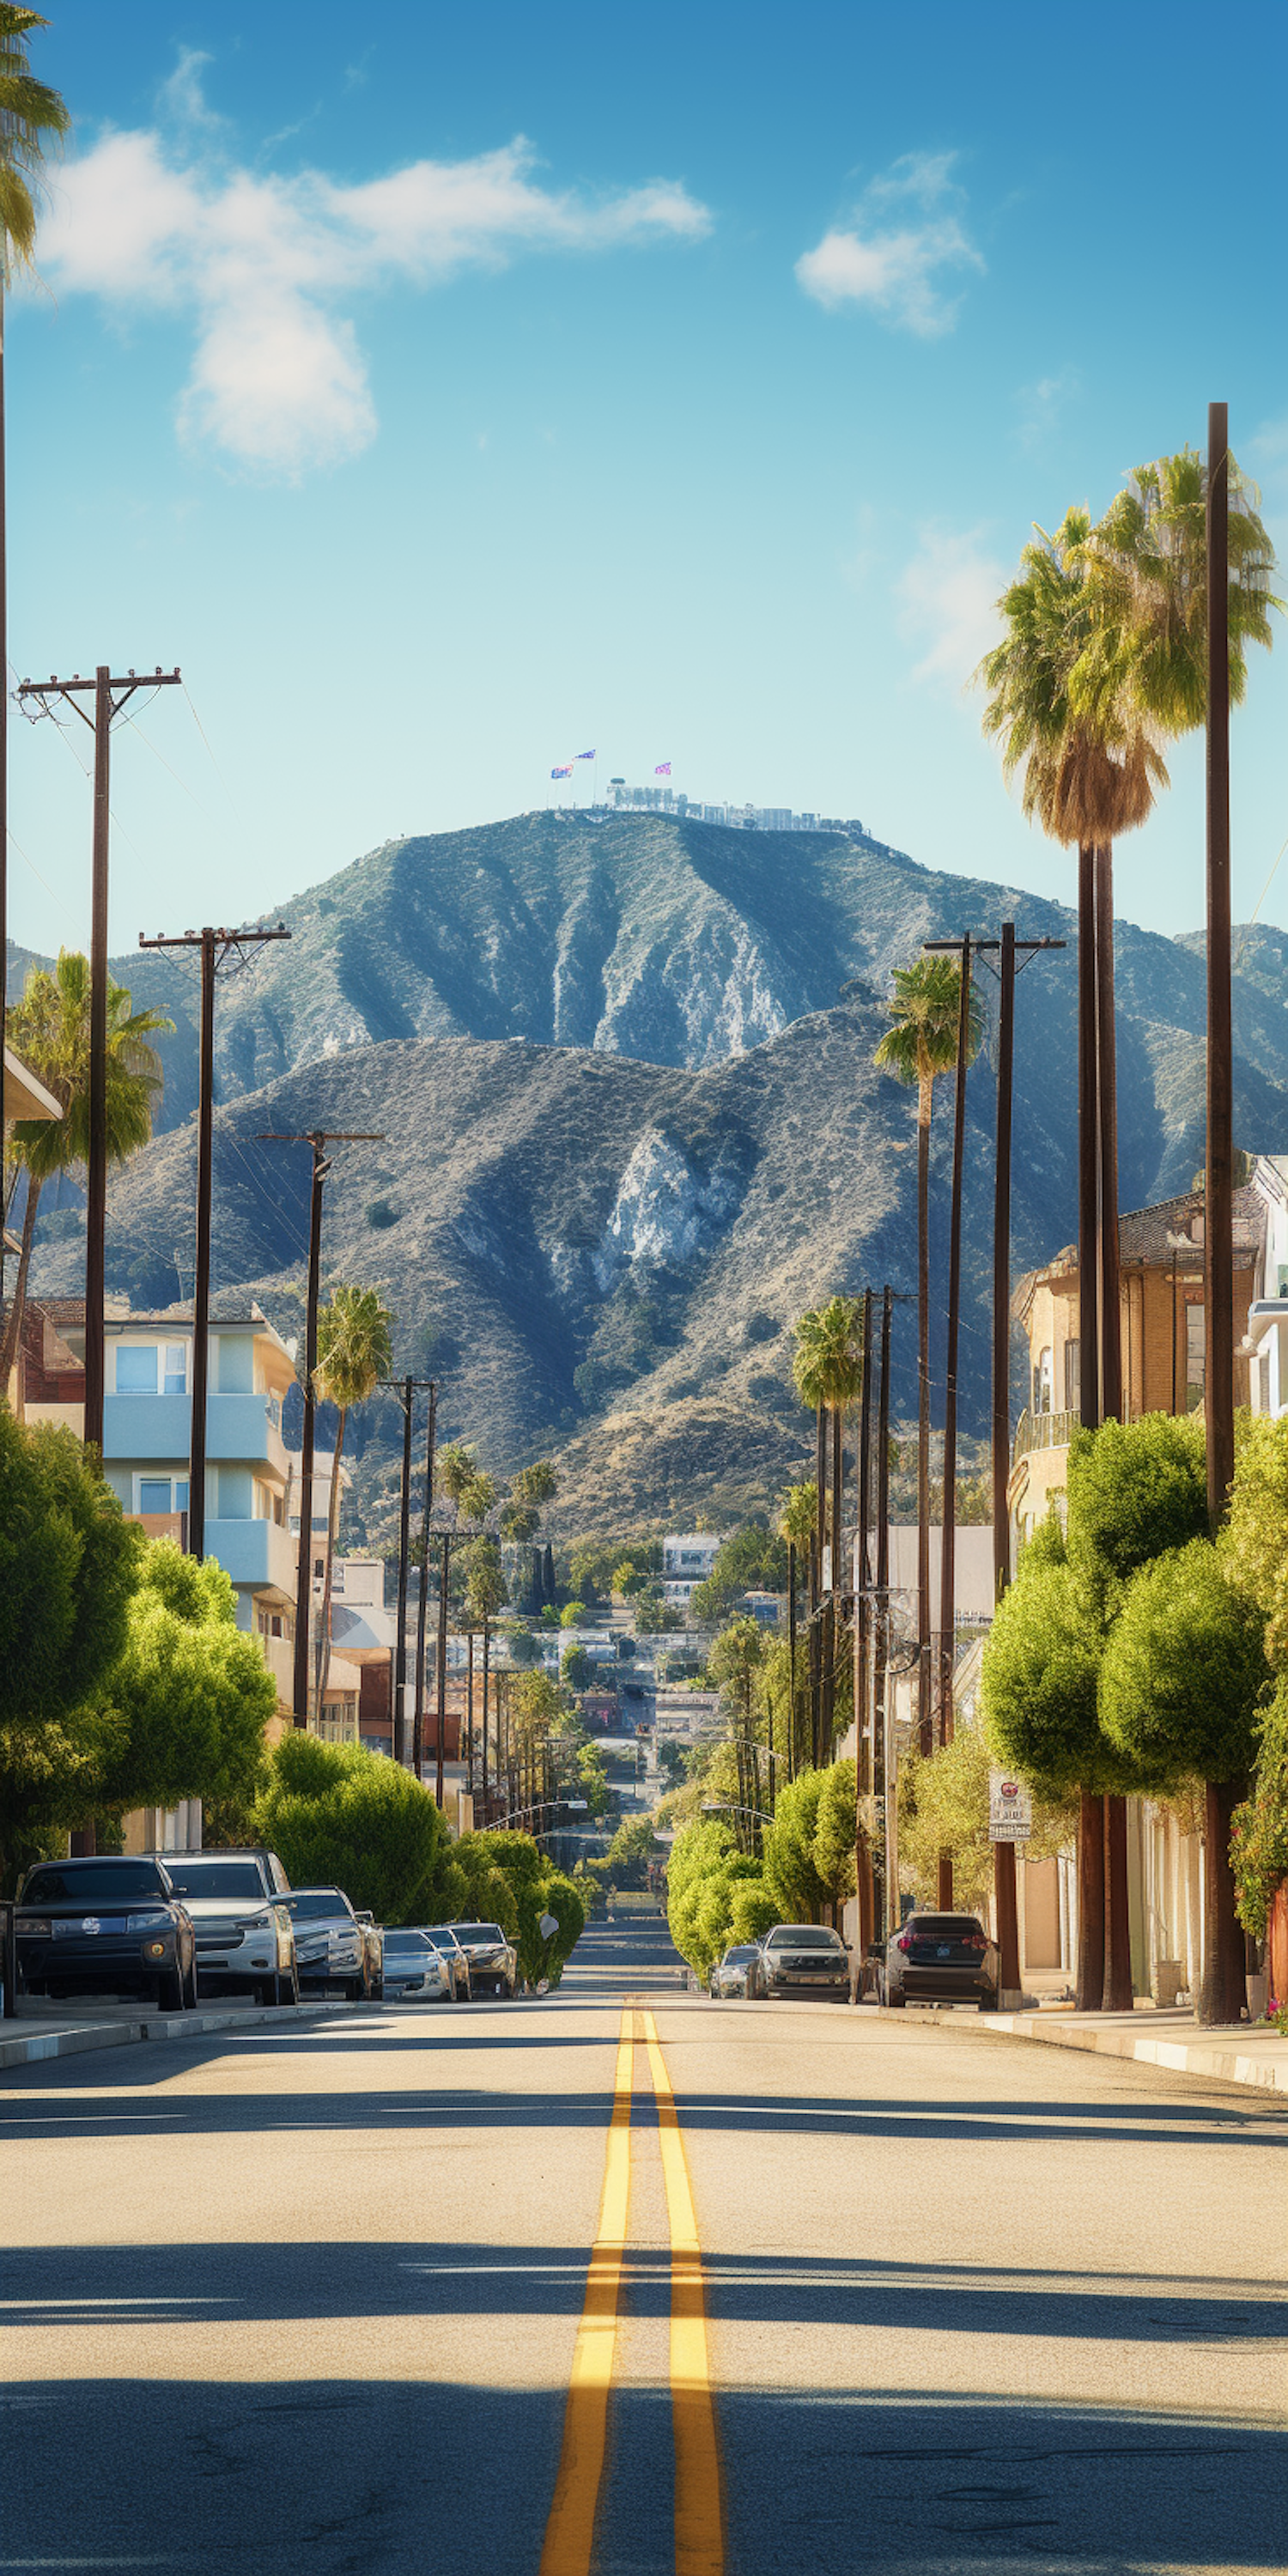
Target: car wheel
[192,1985]
[355,1989]
[895,2000]
[172,1992]
[988,2003]
[288,1987]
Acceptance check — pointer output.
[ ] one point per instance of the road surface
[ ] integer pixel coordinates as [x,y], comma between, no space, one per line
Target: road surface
[620,2279]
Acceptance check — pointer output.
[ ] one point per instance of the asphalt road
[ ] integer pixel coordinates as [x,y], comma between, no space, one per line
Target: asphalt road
[882,2296]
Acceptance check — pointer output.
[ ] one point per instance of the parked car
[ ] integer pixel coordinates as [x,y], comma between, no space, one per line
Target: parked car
[493,1960]
[330,1943]
[455,1959]
[373,1942]
[110,1925]
[245,1936]
[738,1973]
[805,1959]
[414,1970]
[940,1958]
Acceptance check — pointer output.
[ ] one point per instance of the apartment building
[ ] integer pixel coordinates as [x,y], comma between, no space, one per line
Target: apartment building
[687,1561]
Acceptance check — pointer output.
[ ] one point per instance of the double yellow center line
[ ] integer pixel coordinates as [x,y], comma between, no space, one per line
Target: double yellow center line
[570,2532]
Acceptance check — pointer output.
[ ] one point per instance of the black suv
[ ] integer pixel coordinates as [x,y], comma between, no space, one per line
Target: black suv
[112,1925]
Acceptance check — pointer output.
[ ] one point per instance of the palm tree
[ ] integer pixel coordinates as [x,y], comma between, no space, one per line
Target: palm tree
[50,1029]
[355,1351]
[32,118]
[925,1009]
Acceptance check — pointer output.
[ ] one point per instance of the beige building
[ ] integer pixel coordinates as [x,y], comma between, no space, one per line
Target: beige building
[1162,1321]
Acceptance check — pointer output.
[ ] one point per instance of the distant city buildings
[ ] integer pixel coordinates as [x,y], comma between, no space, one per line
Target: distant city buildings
[737,818]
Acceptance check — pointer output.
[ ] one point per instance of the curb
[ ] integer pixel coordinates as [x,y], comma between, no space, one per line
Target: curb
[1221,2057]
[78,2037]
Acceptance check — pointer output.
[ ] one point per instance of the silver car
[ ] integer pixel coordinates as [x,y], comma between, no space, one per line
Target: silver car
[493,1960]
[414,1971]
[738,1973]
[805,1959]
[453,1957]
[331,1946]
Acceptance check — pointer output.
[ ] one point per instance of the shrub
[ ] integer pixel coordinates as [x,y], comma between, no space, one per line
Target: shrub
[342,1817]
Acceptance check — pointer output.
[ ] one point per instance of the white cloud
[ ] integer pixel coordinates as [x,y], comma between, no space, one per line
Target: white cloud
[264,266]
[897,270]
[1042,405]
[947,603]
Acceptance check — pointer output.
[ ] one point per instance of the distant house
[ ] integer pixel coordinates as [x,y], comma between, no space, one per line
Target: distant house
[686,1562]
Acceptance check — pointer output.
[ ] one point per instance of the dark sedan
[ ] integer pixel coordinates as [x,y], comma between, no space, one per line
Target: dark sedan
[940,1958]
[112,1925]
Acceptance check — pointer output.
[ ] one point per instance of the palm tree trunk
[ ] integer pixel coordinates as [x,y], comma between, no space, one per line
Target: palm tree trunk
[13,1320]
[469,1709]
[1107,1088]
[925,1727]
[1224,1992]
[487,1643]
[791,1660]
[332,1525]
[1088,1148]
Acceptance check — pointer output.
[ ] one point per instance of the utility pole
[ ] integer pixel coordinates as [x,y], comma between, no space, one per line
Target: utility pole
[422,1605]
[881,1655]
[318,1138]
[216,947]
[862,1659]
[1218,1211]
[1006,949]
[110,695]
[406,1390]
[440,1667]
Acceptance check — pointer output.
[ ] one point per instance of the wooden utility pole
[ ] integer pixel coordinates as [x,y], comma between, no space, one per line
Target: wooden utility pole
[422,1605]
[406,1390]
[440,1666]
[889,1896]
[1218,1212]
[215,946]
[318,1138]
[1006,949]
[1111,1348]
[110,696]
[862,1657]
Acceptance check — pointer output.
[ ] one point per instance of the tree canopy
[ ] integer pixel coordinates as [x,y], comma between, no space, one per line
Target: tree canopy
[342,1817]
[1184,1670]
[69,1563]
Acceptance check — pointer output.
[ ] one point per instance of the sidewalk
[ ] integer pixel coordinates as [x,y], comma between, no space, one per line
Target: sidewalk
[1244,2054]
[44,2031]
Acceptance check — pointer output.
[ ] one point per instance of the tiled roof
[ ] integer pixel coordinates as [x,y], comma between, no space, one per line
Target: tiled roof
[1142,1239]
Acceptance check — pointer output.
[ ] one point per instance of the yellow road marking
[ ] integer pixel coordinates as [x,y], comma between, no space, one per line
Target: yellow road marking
[570,2531]
[699,2531]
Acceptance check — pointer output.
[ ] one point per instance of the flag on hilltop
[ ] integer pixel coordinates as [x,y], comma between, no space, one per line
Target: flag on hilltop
[663,769]
[587,755]
[565,772]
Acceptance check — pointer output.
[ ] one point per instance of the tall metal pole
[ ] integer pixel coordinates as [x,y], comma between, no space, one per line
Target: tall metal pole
[304,1558]
[201,1281]
[1218,1227]
[96,1160]
[948,1558]
[401,1747]
[1088,1148]
[422,1605]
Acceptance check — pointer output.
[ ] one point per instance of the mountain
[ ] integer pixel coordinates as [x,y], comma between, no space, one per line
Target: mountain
[627,1130]
[640,934]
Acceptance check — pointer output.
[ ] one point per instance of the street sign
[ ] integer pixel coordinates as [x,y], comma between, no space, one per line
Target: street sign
[576,1806]
[1010,1808]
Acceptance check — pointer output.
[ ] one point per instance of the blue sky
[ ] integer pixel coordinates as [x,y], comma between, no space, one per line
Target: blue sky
[449,391]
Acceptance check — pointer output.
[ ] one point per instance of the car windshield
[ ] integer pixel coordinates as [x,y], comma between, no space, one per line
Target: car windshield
[94,1882]
[317,1903]
[474,1935]
[439,1935]
[405,1941]
[734,1958]
[802,1936]
[213,1877]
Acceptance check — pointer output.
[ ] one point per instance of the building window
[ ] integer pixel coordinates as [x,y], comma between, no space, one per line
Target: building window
[1073,1377]
[136,1368]
[176,1368]
[1195,1348]
[1042,1382]
[154,1493]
